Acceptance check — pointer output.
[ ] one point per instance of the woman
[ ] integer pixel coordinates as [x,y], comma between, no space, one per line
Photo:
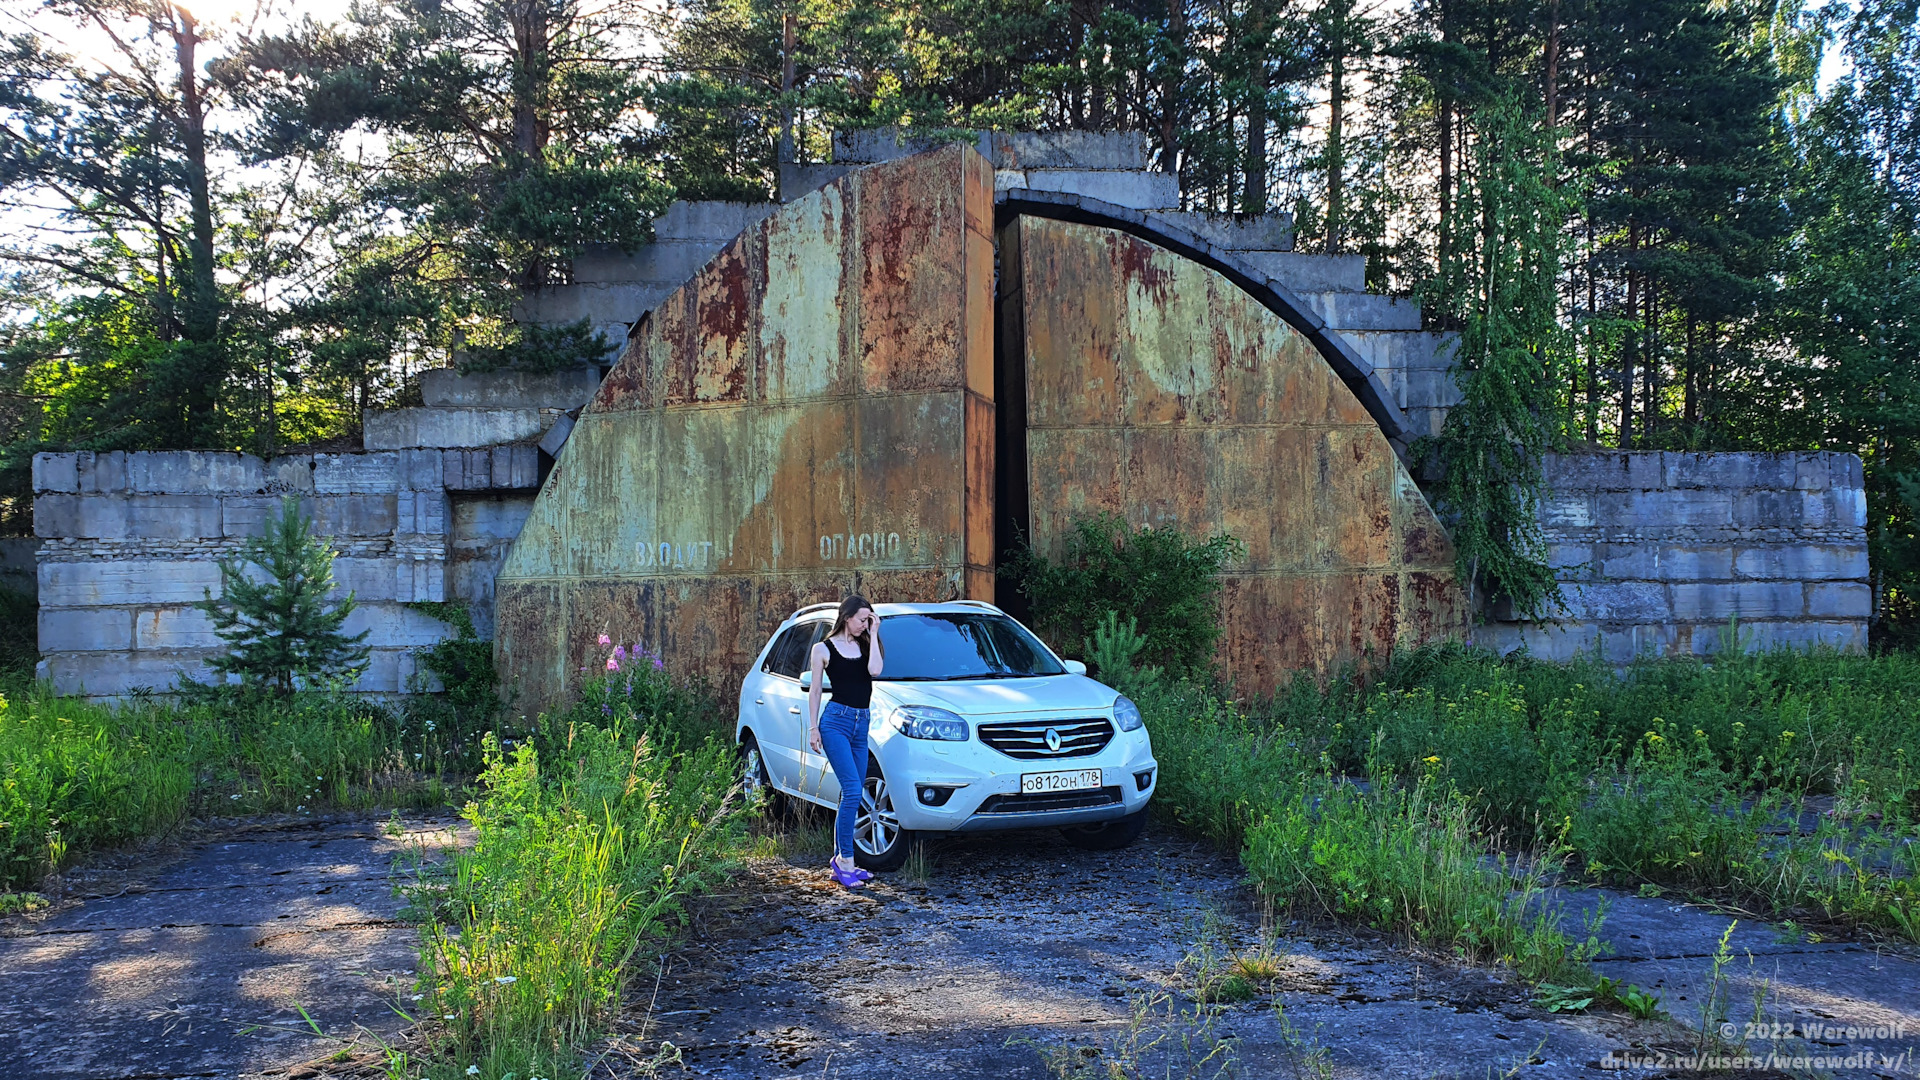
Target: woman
[850,657]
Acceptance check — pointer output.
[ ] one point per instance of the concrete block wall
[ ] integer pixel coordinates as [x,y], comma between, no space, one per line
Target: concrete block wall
[129,541]
[1662,552]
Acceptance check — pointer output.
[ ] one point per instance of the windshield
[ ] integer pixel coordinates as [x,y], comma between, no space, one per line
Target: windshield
[961,645]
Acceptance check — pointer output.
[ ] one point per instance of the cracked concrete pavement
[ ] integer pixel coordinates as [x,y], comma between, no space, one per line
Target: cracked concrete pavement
[1011,945]
[202,966]
[1018,942]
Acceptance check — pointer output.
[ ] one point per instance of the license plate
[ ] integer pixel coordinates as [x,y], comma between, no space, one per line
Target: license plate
[1040,783]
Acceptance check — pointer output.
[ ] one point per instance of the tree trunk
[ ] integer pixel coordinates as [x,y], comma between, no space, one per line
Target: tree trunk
[532,84]
[789,35]
[202,375]
[1627,356]
[1650,366]
[1445,117]
[1553,67]
[203,316]
[1691,409]
[1170,88]
[1336,149]
[1254,199]
[533,76]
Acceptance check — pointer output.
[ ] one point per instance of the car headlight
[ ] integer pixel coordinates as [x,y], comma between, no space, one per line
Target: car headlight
[927,722]
[1126,715]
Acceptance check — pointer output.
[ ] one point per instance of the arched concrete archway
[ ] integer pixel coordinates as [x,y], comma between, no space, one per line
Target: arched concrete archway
[822,409]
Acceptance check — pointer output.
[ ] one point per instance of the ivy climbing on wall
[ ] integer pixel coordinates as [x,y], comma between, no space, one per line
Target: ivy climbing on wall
[1502,246]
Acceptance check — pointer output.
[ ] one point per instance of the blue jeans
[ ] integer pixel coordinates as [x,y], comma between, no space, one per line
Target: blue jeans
[843,736]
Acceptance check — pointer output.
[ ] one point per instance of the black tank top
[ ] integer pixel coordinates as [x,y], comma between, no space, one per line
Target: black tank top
[852,683]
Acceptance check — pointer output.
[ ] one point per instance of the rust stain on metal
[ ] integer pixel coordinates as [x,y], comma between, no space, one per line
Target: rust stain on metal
[803,418]
[1160,391]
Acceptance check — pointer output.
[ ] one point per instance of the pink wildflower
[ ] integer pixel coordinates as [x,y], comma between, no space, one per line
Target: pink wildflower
[605,640]
[613,663]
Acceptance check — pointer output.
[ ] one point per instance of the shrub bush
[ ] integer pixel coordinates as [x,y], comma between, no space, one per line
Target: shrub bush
[1166,581]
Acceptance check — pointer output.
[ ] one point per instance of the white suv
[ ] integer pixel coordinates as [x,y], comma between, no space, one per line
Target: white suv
[977,725]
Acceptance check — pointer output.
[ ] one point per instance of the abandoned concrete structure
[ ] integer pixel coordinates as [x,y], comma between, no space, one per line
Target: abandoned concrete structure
[874,384]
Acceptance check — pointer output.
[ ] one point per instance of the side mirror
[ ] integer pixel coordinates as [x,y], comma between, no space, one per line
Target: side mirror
[806,681]
[1075,667]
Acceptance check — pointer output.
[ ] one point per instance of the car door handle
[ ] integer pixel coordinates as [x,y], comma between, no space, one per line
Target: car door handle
[794,709]
[759,701]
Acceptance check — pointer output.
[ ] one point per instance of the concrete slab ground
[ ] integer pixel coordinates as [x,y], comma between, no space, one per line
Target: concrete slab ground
[1016,946]
[1004,952]
[1781,989]
[201,965]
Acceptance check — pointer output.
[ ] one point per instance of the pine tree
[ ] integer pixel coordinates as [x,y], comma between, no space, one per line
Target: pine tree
[280,627]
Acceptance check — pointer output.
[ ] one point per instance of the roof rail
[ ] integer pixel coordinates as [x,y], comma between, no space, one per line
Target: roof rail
[977,603]
[811,607]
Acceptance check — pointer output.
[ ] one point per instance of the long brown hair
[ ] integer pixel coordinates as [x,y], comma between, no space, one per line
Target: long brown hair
[848,609]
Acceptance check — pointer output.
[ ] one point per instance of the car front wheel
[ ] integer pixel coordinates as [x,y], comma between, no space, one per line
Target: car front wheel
[755,781]
[879,843]
[1108,835]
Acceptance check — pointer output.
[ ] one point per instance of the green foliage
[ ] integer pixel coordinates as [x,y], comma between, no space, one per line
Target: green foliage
[19,632]
[1503,250]
[1411,858]
[464,666]
[1167,583]
[281,628]
[1641,1004]
[548,109]
[585,853]
[76,776]
[1114,651]
[635,691]
[1681,774]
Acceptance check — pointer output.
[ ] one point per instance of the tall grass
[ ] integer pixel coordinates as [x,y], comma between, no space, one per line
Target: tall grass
[1414,859]
[77,776]
[588,842]
[1433,798]
[1695,775]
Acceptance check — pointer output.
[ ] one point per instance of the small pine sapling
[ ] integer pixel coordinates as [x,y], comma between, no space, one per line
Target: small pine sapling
[280,627]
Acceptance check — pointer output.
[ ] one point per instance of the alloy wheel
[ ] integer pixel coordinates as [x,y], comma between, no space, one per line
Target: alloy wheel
[752,780]
[876,828]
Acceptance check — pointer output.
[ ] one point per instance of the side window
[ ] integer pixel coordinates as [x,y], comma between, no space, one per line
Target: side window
[789,655]
[782,648]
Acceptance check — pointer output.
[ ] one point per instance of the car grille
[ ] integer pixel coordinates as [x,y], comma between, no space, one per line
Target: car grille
[1027,739]
[1057,800]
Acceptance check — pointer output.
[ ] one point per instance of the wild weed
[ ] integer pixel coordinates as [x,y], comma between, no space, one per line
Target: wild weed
[1411,859]
[583,855]
[1308,1057]
[1161,1040]
[1714,1003]
[76,776]
[918,867]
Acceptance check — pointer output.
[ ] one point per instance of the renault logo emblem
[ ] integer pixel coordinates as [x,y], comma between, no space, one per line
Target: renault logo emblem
[1053,740]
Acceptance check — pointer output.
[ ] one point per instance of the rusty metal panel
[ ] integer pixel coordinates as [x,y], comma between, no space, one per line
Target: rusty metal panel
[979,423]
[1158,390]
[801,419]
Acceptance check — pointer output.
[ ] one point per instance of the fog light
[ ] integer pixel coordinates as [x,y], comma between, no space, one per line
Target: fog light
[1143,779]
[935,796]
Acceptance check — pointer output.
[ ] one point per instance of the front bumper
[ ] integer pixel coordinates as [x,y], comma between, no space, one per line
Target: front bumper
[985,785]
